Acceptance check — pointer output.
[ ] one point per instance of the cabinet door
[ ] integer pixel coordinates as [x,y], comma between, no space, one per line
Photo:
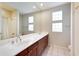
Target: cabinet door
[46,41]
[42,44]
[33,52]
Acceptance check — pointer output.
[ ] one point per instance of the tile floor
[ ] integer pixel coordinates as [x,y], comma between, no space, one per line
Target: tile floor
[56,51]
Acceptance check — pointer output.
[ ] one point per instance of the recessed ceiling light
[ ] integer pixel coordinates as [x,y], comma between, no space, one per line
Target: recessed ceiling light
[41,4]
[34,7]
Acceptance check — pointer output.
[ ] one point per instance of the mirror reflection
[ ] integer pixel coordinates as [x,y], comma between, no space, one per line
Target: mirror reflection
[8,22]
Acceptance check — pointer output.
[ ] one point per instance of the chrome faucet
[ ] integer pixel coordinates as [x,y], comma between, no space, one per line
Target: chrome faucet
[16,40]
[19,38]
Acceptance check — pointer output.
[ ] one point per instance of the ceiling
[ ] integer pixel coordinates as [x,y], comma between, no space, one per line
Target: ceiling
[28,7]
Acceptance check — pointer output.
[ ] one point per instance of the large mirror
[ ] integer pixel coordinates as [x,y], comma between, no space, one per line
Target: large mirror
[13,23]
[8,22]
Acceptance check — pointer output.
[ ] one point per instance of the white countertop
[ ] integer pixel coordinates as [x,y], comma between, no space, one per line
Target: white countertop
[9,49]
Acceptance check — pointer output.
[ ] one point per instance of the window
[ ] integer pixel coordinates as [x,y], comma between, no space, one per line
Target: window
[57,16]
[57,27]
[57,21]
[31,23]
[30,27]
[30,19]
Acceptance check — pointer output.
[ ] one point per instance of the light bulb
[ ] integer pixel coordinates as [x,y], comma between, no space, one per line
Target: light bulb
[41,4]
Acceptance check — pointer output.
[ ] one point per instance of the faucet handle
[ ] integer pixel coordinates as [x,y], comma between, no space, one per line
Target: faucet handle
[12,42]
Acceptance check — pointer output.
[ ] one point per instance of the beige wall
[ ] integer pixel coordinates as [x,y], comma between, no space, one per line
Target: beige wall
[43,22]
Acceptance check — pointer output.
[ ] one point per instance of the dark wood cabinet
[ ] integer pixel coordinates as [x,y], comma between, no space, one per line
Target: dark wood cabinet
[42,44]
[33,52]
[35,49]
[46,41]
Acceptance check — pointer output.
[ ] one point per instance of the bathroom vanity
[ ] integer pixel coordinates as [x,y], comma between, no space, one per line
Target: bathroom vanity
[35,49]
[31,45]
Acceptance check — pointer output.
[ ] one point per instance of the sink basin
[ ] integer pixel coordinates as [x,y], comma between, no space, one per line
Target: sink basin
[18,44]
[13,44]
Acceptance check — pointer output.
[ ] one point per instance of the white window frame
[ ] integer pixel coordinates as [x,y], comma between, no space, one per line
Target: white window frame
[57,18]
[31,23]
[57,27]
[57,15]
